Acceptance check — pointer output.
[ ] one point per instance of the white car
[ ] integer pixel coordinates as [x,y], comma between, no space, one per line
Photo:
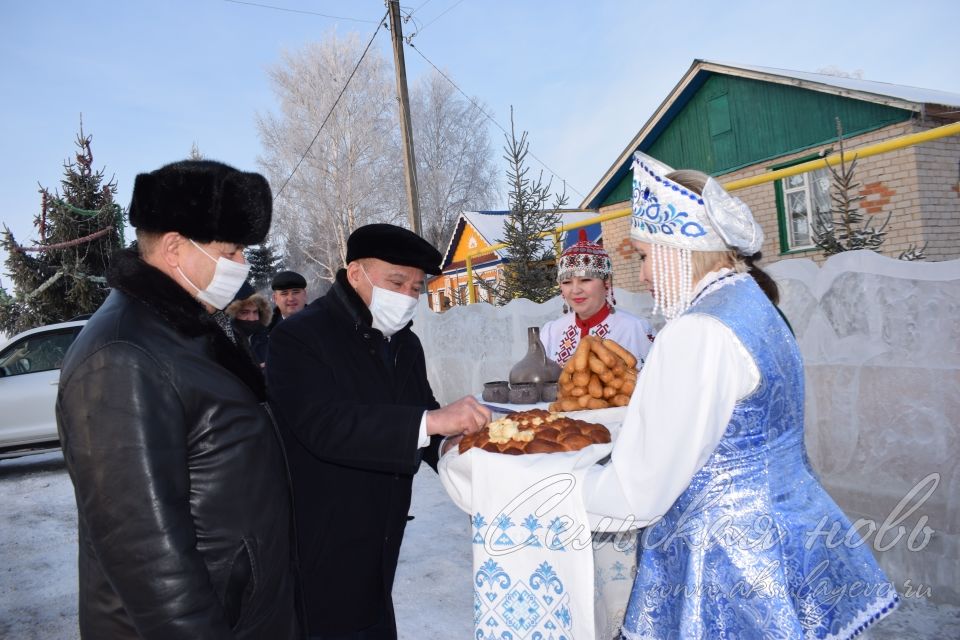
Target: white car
[29,375]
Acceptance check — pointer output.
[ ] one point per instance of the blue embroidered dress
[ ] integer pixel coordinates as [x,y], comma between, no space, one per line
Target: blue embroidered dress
[736,555]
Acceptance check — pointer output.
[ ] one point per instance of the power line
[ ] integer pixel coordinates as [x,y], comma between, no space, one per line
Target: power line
[490,118]
[450,8]
[418,8]
[335,103]
[310,13]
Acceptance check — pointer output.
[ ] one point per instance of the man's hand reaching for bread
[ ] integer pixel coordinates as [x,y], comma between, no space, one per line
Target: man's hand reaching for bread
[464,416]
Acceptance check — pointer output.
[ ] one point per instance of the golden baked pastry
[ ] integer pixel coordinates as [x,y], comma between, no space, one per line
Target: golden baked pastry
[535,431]
[600,374]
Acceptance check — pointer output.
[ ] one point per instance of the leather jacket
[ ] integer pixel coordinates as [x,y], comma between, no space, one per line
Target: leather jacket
[180,477]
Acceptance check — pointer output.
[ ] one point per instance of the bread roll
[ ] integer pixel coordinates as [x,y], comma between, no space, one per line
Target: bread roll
[597,403]
[596,365]
[603,353]
[541,445]
[628,358]
[581,356]
[595,388]
[536,431]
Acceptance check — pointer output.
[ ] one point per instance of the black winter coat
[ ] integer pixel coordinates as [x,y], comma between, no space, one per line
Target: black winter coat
[182,493]
[349,405]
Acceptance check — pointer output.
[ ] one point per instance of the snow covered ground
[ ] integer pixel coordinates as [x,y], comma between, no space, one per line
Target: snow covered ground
[38,572]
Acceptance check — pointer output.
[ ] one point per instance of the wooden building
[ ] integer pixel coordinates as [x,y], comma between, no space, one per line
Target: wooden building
[475,231]
[735,122]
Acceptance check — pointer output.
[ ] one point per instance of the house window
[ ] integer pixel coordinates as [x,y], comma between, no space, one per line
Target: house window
[802,200]
[462,294]
[483,293]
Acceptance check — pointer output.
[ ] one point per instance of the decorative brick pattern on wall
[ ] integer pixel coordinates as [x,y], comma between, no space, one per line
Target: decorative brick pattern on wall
[875,197]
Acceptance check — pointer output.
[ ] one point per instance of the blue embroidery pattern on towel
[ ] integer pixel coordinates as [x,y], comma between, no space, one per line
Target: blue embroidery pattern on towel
[508,609]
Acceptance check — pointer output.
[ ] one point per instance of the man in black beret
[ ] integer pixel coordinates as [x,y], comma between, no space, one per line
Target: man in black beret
[289,295]
[348,382]
[179,474]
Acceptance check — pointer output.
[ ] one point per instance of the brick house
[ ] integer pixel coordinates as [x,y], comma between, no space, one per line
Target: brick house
[475,231]
[735,122]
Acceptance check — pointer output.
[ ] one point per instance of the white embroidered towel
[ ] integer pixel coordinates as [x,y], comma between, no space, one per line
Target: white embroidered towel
[532,554]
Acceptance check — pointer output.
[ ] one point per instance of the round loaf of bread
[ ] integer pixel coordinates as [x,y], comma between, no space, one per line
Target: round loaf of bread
[535,431]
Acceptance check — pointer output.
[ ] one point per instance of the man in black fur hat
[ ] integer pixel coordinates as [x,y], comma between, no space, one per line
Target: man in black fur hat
[348,381]
[179,473]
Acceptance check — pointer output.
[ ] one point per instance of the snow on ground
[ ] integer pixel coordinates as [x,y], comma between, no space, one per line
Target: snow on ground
[433,593]
[38,549]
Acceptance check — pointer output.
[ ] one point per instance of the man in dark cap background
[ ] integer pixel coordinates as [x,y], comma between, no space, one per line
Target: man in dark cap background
[182,493]
[348,381]
[289,295]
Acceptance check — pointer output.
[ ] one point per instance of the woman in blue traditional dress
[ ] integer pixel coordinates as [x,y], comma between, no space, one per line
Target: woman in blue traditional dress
[710,458]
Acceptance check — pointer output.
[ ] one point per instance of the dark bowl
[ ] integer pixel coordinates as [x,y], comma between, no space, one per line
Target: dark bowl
[548,393]
[498,391]
[524,393]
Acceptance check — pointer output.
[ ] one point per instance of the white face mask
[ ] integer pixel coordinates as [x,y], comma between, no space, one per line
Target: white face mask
[228,277]
[391,311]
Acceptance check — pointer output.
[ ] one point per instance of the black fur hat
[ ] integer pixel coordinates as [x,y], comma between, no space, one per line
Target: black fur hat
[203,200]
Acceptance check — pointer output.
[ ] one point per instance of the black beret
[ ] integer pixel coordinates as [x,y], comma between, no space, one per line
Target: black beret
[288,280]
[203,200]
[395,245]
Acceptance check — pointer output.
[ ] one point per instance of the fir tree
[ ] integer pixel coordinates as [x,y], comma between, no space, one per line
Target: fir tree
[845,228]
[264,264]
[62,274]
[529,269]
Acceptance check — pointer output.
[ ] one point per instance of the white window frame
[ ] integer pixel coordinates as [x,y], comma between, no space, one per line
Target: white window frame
[818,175]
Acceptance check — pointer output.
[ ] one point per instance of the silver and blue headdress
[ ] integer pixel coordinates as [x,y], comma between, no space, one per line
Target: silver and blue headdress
[676,220]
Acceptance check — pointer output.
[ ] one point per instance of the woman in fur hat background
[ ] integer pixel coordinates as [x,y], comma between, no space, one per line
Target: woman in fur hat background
[251,315]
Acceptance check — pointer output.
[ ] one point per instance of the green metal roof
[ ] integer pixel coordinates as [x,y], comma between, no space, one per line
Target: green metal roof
[719,119]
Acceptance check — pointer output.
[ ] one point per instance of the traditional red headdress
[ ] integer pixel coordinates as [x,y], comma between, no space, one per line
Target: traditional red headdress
[584,259]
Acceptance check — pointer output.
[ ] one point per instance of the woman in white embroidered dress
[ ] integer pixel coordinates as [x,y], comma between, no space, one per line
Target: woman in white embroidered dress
[710,458]
[585,274]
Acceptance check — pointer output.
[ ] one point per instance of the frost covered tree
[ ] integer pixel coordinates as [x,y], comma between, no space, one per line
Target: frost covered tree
[62,274]
[455,168]
[352,174]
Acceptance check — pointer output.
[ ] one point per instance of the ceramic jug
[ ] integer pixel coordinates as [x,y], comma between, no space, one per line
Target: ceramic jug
[535,367]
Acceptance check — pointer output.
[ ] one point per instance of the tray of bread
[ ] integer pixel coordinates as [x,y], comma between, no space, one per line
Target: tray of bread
[599,375]
[535,431]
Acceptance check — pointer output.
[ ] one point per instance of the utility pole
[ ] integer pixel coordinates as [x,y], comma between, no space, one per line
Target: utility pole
[409,160]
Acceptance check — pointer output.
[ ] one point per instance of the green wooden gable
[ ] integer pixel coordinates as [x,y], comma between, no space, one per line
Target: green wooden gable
[731,122]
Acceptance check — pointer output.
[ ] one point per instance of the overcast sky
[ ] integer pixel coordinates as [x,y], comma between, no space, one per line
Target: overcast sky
[153,77]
